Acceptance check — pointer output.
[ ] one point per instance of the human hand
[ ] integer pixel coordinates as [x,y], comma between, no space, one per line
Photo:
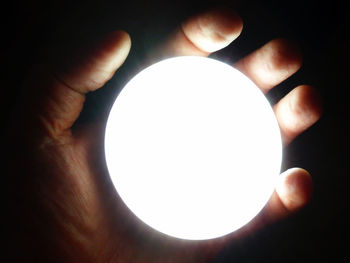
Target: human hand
[64,207]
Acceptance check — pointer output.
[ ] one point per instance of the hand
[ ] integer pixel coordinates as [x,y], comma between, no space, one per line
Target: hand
[64,207]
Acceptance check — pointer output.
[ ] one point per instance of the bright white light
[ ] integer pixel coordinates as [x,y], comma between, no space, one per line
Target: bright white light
[193,148]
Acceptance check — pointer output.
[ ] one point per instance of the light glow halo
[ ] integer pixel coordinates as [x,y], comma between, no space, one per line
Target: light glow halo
[193,147]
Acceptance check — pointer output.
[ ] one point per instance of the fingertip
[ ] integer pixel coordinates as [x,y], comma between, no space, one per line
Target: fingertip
[214,29]
[295,189]
[99,62]
[307,103]
[226,21]
[297,111]
[117,42]
[124,37]
[287,55]
[117,34]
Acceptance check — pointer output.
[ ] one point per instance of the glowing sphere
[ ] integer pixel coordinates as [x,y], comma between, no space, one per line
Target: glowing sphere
[193,148]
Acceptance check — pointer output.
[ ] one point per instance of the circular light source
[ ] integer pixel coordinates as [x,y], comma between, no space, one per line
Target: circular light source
[193,148]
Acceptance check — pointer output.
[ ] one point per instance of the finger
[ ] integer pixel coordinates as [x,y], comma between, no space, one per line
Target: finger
[297,111]
[57,93]
[293,192]
[202,34]
[271,64]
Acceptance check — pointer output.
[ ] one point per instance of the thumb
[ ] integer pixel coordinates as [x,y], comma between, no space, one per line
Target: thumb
[54,95]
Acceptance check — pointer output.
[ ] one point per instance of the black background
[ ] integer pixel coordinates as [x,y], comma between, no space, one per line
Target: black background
[33,30]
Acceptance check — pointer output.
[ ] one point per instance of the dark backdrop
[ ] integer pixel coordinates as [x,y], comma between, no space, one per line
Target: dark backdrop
[33,30]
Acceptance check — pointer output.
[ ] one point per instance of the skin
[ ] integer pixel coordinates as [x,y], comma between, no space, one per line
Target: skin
[64,207]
